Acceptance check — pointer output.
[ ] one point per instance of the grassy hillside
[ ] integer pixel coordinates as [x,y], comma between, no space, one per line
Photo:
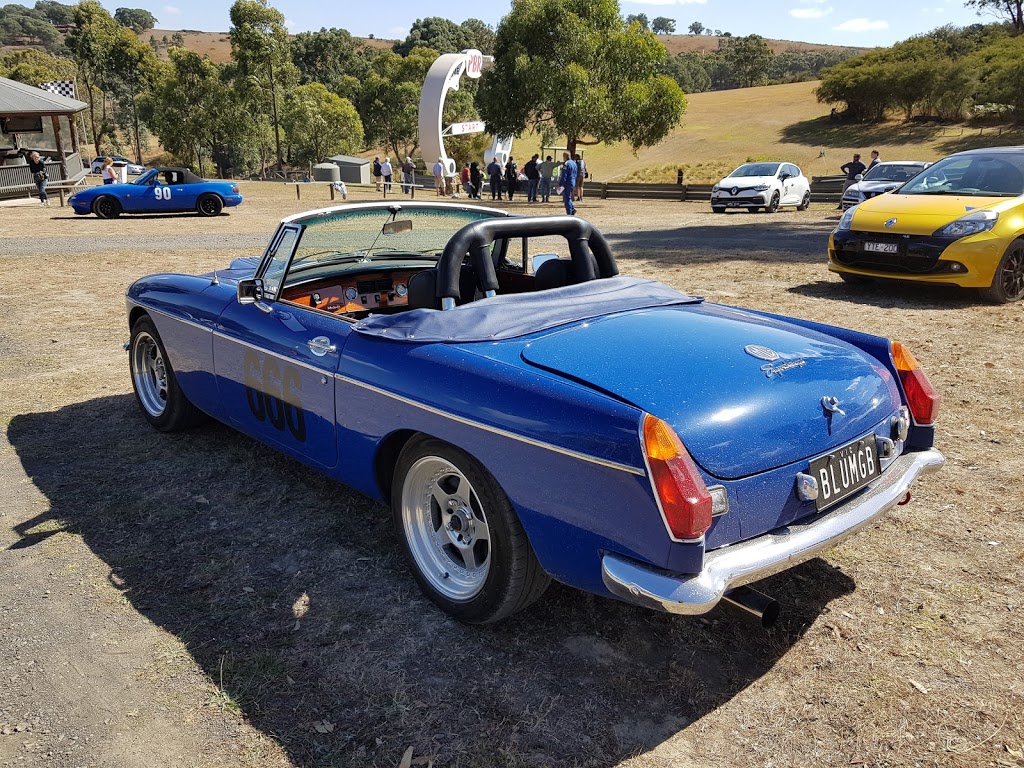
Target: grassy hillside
[709,44]
[722,129]
[217,46]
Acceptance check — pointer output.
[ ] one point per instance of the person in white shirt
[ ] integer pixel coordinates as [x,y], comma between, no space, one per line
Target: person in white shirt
[439,177]
[386,171]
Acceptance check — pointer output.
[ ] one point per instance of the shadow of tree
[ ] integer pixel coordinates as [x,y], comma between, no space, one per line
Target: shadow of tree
[290,592]
[822,132]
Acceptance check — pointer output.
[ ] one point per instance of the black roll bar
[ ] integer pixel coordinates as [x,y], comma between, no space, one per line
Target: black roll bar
[476,238]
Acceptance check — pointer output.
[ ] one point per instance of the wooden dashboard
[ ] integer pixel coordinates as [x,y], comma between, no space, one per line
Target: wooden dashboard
[360,293]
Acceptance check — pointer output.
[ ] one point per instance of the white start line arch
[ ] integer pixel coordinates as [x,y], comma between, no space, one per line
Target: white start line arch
[443,76]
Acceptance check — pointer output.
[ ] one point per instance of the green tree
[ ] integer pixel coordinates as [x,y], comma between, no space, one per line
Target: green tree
[639,18]
[328,57]
[389,99]
[26,26]
[55,13]
[320,123]
[131,70]
[1011,11]
[749,59]
[33,66]
[478,35]
[662,25]
[1000,72]
[261,54]
[575,68]
[687,69]
[696,28]
[89,42]
[136,19]
[434,32]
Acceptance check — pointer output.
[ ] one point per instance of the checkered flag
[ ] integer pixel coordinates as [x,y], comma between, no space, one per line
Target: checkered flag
[60,87]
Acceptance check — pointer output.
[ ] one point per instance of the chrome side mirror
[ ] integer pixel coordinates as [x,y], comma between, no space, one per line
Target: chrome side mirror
[250,291]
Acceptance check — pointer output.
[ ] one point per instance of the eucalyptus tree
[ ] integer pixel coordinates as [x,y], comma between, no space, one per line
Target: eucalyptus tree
[574,68]
[320,123]
[261,55]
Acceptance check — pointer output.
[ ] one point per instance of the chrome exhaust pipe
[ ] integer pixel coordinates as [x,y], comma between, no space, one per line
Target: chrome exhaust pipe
[753,603]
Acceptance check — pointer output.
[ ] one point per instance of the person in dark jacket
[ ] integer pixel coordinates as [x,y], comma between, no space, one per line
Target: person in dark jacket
[511,176]
[37,165]
[475,179]
[532,178]
[494,171]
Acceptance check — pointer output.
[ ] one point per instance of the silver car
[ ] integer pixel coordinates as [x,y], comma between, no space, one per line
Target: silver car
[884,177]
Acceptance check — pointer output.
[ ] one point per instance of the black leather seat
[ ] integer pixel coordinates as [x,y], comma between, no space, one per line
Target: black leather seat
[554,273]
[423,288]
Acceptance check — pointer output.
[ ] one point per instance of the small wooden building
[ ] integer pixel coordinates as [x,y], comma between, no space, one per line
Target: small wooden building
[34,119]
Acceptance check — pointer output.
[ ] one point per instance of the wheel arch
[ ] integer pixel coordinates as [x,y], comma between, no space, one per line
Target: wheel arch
[386,458]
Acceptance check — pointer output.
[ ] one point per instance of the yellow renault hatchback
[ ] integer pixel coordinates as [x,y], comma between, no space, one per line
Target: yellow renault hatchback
[959,221]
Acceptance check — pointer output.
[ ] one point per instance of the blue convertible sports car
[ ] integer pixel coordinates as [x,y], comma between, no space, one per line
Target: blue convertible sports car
[160,190]
[528,414]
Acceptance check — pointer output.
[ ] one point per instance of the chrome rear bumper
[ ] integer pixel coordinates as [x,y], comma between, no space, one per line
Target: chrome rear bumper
[746,562]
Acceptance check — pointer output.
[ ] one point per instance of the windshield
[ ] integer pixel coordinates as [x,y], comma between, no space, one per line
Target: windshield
[893,171]
[145,179]
[755,169]
[357,235]
[996,174]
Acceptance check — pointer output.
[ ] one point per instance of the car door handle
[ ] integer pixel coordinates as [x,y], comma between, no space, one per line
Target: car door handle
[321,346]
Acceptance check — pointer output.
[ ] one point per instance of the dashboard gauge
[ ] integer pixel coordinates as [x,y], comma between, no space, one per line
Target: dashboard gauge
[351,294]
[401,289]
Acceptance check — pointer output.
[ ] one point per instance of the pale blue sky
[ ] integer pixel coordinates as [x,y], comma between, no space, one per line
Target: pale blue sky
[838,22]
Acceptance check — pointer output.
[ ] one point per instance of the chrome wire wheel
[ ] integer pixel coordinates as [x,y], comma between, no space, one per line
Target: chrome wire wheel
[446,528]
[149,373]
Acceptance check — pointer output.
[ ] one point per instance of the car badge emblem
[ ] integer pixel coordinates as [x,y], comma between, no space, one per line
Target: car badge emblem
[890,222]
[735,190]
[761,353]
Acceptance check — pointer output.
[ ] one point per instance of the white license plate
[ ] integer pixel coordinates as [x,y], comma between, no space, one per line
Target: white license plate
[845,472]
[882,247]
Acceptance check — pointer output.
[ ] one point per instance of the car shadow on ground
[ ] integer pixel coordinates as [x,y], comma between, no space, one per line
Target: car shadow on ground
[291,594]
[770,238]
[133,216]
[893,294]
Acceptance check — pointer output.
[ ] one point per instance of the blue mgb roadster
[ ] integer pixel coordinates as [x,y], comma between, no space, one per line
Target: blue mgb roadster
[530,415]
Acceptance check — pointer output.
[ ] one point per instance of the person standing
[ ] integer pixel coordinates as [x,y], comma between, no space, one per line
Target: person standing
[494,172]
[37,165]
[108,172]
[581,174]
[875,159]
[475,179]
[464,178]
[852,169]
[408,175]
[567,182]
[511,175]
[387,172]
[438,172]
[376,172]
[547,171]
[532,178]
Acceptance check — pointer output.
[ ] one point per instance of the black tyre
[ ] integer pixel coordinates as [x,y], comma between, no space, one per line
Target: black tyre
[209,204]
[1008,281]
[752,209]
[805,203]
[466,545]
[156,388]
[106,207]
[773,206]
[717,209]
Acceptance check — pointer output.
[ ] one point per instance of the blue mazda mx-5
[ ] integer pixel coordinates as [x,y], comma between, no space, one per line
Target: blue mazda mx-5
[160,190]
[530,415]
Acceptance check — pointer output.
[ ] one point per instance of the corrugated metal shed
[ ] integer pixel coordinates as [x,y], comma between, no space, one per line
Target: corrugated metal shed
[20,99]
[354,170]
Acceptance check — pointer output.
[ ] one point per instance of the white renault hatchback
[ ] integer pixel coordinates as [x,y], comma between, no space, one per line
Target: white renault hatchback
[762,185]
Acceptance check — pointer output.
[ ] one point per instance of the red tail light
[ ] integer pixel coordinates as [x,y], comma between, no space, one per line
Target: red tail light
[684,497]
[922,399]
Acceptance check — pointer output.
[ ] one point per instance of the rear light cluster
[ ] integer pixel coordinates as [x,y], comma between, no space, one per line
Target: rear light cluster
[684,498]
[922,399]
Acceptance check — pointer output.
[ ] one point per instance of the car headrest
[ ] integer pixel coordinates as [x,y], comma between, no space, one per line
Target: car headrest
[423,290]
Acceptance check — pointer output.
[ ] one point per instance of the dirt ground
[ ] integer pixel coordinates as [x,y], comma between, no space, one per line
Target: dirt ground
[197,600]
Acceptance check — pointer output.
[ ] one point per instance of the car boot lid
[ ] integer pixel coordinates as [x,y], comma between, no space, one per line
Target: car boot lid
[745,393]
